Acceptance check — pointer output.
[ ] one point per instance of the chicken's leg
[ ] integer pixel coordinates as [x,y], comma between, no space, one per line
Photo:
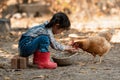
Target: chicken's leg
[100,60]
[93,59]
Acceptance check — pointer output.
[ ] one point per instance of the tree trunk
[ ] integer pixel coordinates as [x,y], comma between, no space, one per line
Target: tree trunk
[4,26]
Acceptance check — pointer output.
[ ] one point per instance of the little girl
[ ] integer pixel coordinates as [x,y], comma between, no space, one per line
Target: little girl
[37,40]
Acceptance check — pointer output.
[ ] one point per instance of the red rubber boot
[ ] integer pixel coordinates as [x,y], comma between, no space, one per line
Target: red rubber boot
[35,58]
[44,61]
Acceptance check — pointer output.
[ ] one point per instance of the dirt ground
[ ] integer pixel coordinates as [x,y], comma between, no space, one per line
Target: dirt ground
[83,69]
[109,69]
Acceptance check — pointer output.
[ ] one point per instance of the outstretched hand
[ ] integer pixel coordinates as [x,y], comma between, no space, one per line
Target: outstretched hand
[70,49]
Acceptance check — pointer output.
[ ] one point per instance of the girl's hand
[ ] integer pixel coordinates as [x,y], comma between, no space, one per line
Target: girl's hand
[71,49]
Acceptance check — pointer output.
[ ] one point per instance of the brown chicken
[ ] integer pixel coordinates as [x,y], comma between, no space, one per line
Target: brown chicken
[96,45]
[107,34]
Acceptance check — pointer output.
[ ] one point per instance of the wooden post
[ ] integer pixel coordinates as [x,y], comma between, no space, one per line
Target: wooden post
[18,62]
[14,62]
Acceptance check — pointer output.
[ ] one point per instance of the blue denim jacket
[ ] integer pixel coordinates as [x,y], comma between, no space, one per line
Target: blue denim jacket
[37,30]
[40,29]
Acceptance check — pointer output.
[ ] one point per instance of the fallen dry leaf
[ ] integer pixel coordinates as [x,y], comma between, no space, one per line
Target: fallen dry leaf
[7,78]
[41,76]
[81,63]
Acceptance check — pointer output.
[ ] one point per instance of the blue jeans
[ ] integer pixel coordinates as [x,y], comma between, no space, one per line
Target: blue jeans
[28,45]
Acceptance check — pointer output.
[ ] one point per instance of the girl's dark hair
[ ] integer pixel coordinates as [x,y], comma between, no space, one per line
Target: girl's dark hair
[61,19]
